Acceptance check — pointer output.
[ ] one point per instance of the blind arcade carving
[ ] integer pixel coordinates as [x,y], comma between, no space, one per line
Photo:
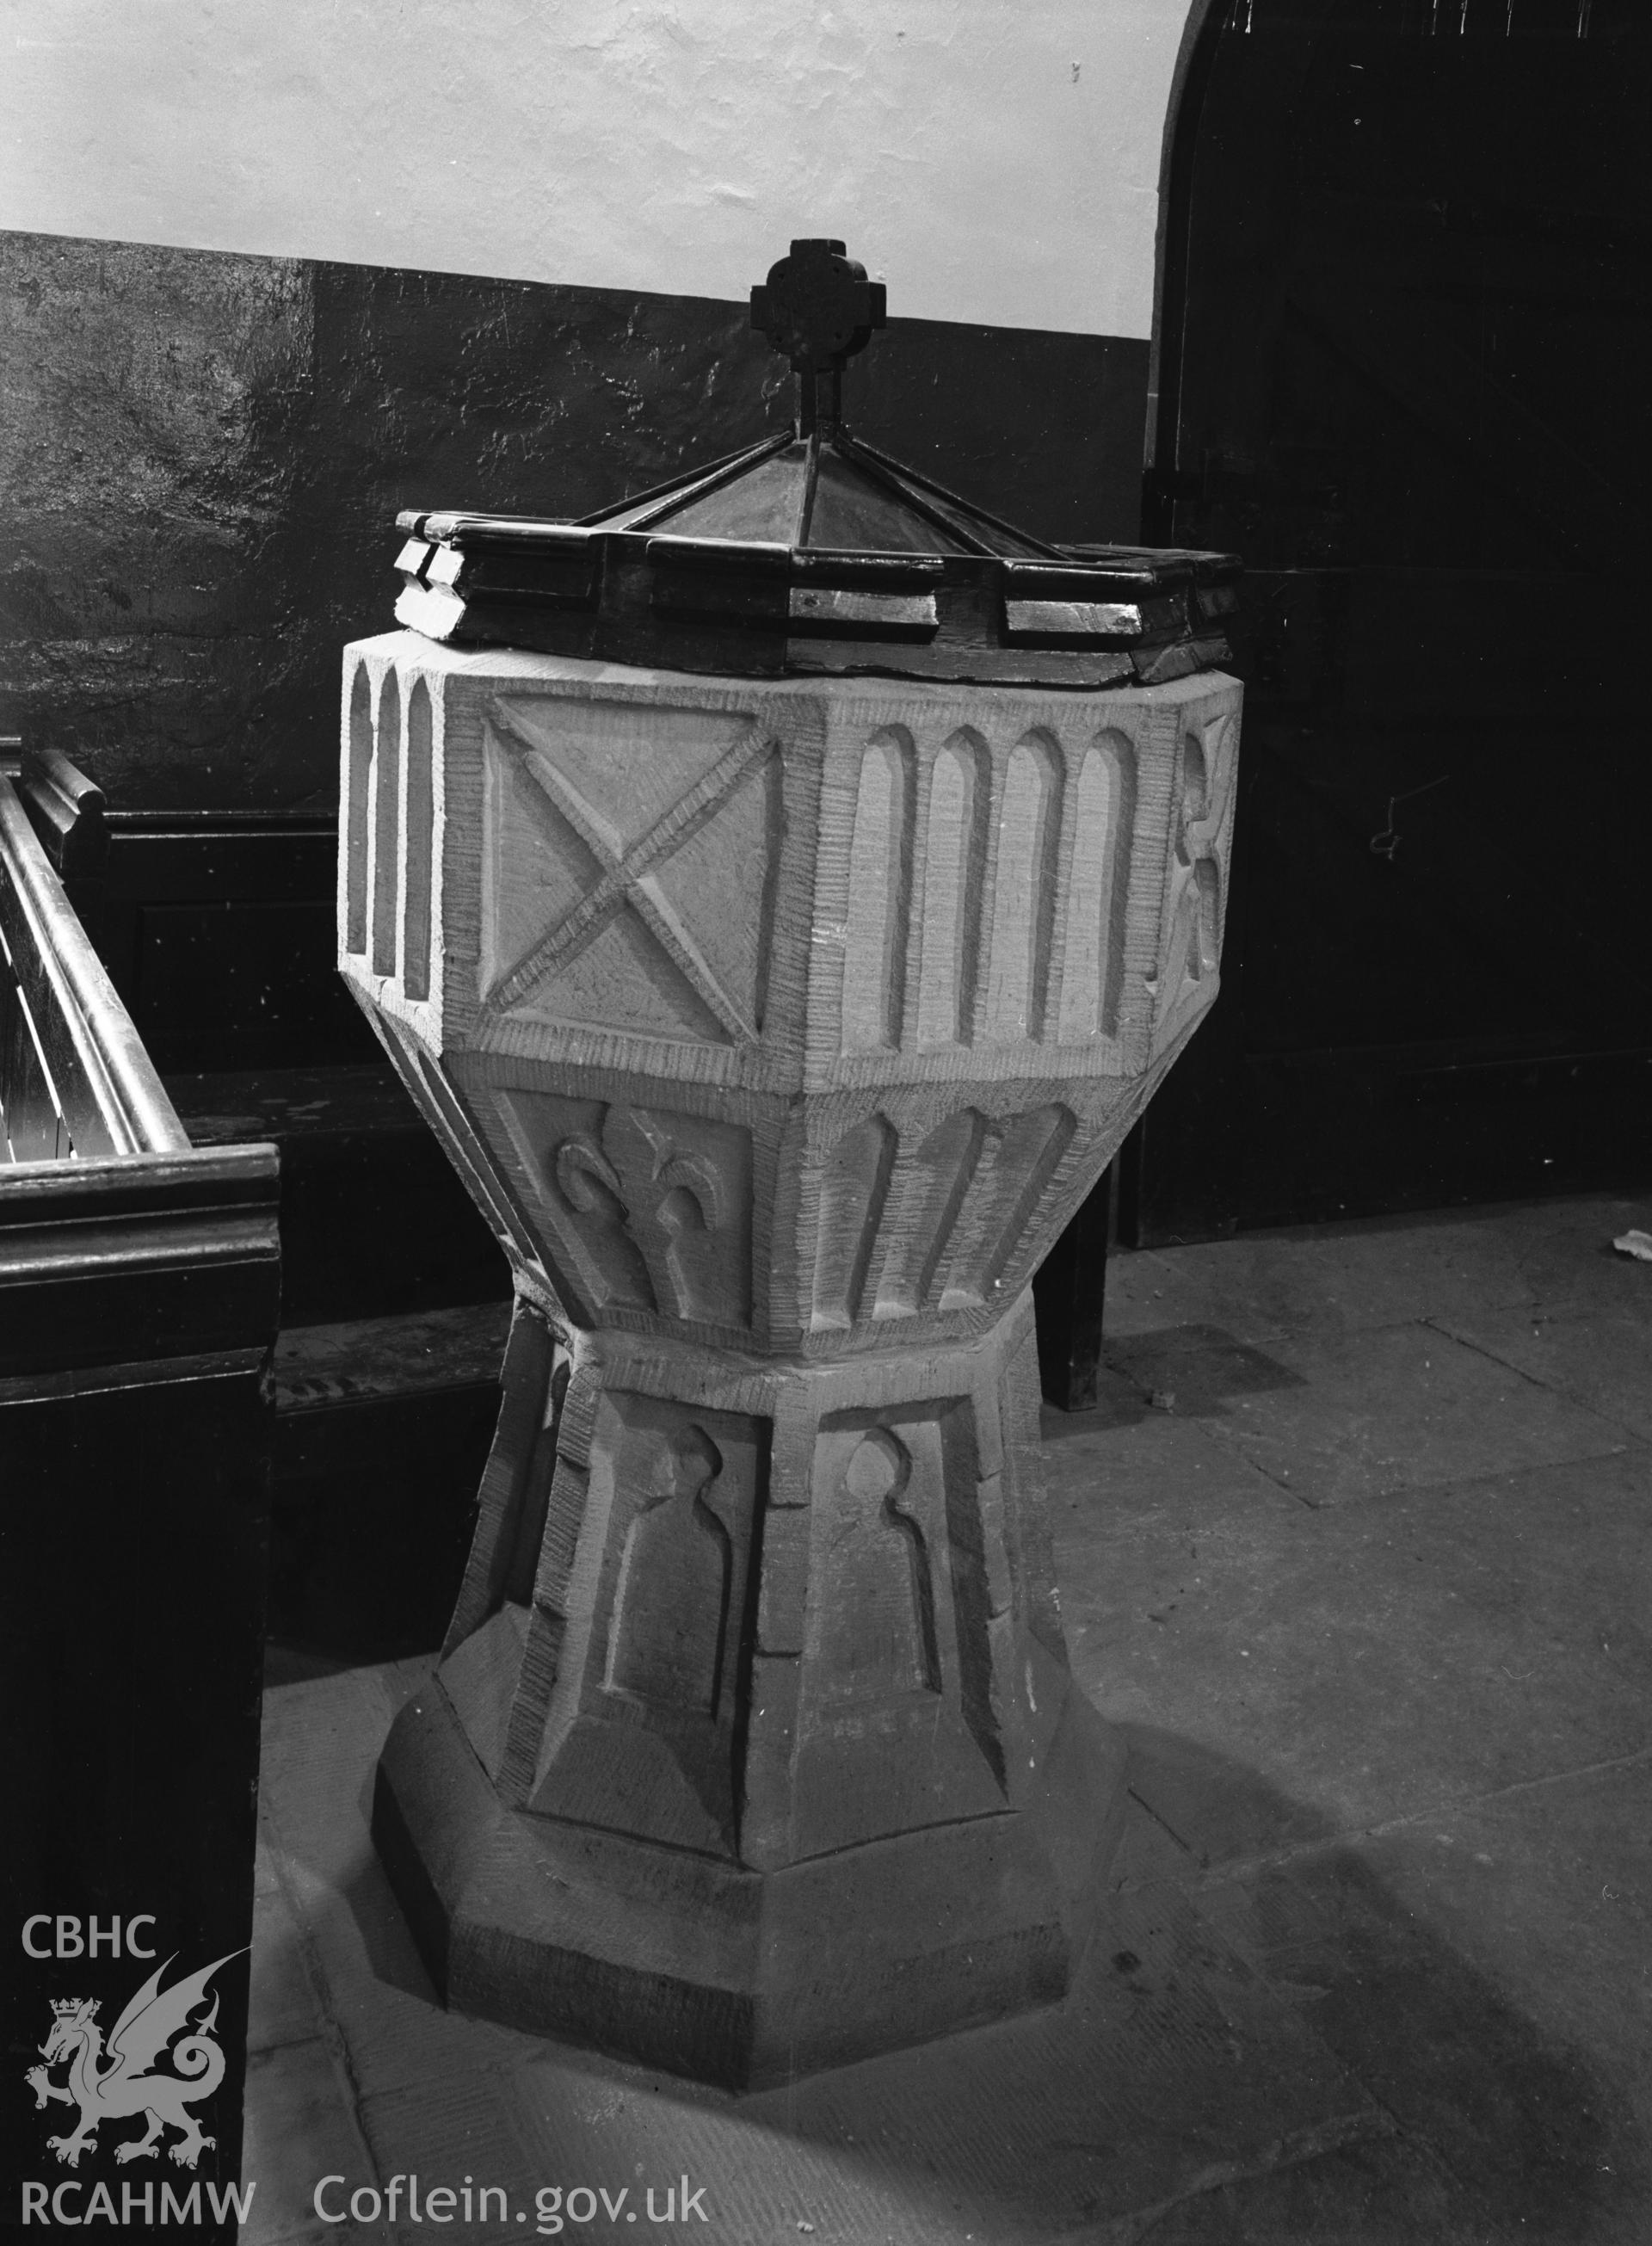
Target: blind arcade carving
[986,893]
[778,1032]
[781,952]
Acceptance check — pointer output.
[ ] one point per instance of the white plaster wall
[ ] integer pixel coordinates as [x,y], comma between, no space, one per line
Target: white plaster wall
[996,160]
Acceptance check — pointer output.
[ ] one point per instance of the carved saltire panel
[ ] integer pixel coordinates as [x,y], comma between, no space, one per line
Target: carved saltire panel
[898,1720]
[1196,889]
[760,1577]
[628,865]
[641,1727]
[643,1208]
[985,895]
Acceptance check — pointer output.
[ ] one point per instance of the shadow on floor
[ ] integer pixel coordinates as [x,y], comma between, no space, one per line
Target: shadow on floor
[1197,1369]
[1271,2049]
[1501,2129]
[1192,1370]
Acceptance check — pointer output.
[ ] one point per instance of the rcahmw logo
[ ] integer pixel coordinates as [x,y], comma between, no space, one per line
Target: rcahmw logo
[160,2060]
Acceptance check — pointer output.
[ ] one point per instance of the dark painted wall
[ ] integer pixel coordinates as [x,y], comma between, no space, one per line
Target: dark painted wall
[201,456]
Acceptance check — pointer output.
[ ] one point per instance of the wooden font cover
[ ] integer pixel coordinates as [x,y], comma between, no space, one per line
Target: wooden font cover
[812,551]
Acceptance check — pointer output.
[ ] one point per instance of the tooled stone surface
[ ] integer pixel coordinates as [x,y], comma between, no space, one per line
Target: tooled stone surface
[727,1612]
[785,1020]
[778,1032]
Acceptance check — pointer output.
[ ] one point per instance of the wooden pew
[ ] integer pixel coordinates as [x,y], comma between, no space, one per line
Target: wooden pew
[217,930]
[140,1284]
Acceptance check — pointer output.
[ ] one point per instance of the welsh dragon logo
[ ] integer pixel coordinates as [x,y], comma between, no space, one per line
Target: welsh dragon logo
[126,2085]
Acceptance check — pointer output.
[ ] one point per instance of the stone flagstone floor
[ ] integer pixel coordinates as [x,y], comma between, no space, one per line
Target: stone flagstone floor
[1358,1549]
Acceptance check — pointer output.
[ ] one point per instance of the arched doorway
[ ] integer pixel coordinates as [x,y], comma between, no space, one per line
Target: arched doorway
[1402,361]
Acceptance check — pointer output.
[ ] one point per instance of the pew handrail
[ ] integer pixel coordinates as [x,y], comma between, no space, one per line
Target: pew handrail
[108,1095]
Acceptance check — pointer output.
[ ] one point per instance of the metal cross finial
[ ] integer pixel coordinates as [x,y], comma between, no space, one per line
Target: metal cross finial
[817,306]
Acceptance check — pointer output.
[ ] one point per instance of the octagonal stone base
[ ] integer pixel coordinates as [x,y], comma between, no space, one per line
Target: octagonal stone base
[731,1976]
[780,1763]
[778,1029]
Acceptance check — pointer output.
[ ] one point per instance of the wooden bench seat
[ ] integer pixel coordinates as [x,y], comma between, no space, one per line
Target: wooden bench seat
[139,1283]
